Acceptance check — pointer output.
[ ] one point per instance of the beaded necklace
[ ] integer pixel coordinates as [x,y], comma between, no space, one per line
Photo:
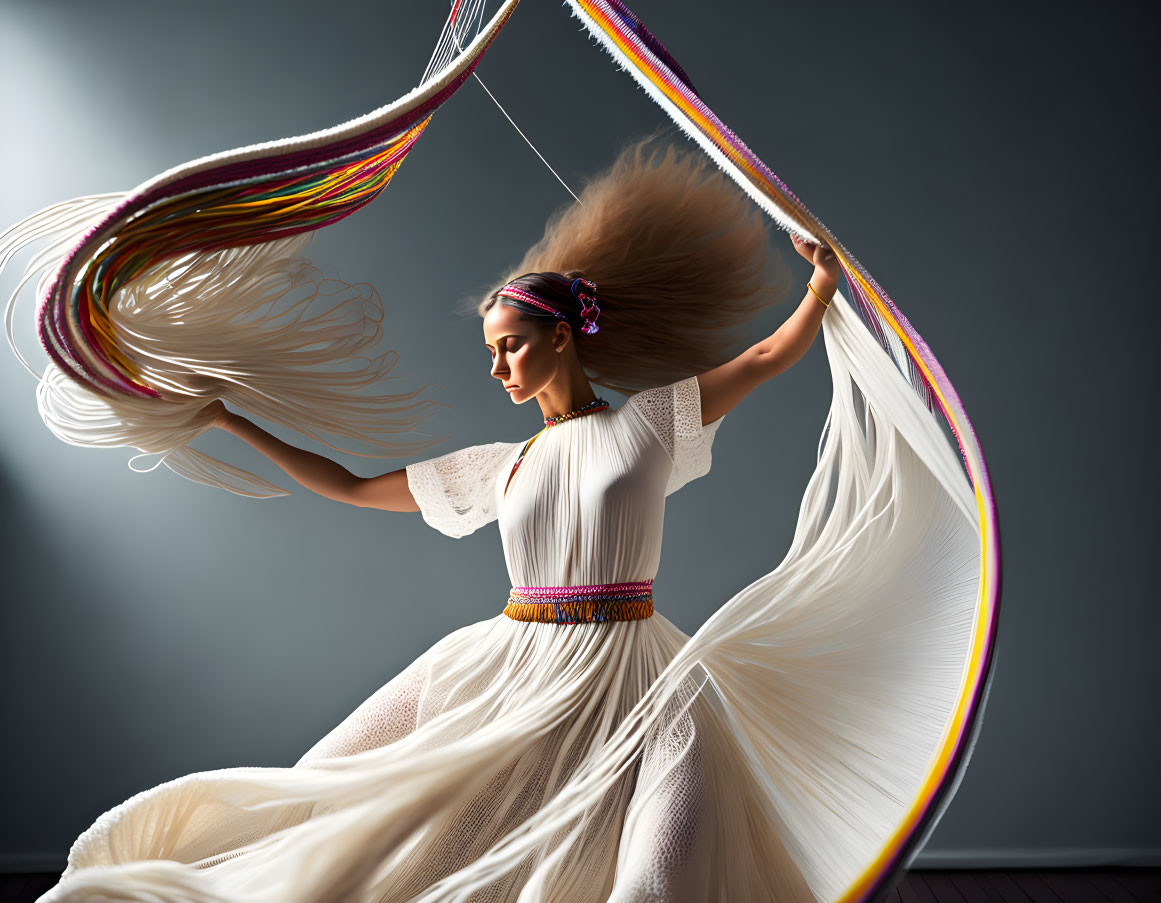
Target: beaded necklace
[597,404]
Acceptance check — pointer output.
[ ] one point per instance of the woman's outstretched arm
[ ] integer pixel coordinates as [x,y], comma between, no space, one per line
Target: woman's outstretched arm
[724,386]
[319,473]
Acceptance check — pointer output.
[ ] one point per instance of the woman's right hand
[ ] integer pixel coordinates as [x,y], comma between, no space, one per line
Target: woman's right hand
[220,411]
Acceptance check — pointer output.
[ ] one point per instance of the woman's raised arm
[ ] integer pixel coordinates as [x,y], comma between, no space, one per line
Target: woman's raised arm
[319,473]
[724,386]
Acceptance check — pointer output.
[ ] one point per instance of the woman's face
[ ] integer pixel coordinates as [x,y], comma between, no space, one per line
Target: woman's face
[523,355]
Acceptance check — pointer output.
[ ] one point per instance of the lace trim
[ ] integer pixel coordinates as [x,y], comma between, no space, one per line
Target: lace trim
[673,412]
[456,492]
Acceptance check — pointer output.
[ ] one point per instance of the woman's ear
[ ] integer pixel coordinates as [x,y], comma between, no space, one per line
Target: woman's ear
[561,336]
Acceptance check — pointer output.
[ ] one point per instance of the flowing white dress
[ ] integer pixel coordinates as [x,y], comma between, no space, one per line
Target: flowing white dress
[517,761]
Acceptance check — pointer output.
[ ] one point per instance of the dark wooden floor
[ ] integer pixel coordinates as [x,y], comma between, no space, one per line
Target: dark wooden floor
[1119,885]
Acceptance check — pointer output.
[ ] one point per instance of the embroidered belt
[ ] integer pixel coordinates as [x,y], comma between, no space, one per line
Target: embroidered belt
[576,604]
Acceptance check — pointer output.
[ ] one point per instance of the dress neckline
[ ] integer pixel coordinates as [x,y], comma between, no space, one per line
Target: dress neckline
[547,427]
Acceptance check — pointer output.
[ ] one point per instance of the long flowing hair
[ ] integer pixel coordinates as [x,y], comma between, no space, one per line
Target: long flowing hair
[681,259]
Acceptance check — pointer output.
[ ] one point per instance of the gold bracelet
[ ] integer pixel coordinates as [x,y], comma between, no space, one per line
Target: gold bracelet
[816,294]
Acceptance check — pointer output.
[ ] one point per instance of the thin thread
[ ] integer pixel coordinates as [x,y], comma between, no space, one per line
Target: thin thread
[520,131]
[530,144]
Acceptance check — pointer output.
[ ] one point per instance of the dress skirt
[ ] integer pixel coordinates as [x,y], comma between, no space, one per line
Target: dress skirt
[461,747]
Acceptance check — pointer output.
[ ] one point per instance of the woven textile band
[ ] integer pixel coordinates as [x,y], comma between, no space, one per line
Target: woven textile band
[577,604]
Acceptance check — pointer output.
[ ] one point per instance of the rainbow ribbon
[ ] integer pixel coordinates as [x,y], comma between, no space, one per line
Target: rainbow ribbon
[640,53]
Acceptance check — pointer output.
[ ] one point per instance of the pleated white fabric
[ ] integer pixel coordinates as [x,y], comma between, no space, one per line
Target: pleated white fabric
[771,756]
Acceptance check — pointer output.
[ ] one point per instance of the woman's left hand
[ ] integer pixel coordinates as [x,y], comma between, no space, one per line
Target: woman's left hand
[821,256]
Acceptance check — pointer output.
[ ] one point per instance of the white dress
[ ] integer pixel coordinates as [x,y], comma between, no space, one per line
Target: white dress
[517,761]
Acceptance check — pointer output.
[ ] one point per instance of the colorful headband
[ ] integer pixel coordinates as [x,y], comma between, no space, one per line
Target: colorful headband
[583,290]
[520,294]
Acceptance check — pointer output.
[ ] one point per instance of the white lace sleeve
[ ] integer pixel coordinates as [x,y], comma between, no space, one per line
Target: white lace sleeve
[457,492]
[674,413]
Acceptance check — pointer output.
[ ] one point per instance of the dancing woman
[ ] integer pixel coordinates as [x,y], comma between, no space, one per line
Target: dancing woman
[486,729]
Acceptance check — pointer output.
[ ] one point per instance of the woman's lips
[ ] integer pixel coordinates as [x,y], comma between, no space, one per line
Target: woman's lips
[510,388]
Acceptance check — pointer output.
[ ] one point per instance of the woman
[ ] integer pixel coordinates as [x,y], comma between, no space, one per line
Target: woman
[534,332]
[565,748]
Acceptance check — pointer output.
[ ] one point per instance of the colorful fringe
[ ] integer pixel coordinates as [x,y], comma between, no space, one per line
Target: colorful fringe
[582,603]
[238,198]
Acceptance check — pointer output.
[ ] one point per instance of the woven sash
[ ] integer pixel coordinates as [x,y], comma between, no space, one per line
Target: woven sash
[577,604]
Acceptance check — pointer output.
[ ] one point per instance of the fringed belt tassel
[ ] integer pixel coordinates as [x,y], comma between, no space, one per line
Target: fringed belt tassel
[577,604]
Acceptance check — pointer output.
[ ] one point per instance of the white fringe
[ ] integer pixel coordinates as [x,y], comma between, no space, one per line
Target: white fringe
[242,324]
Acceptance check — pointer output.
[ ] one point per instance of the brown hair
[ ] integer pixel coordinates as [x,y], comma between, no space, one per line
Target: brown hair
[679,255]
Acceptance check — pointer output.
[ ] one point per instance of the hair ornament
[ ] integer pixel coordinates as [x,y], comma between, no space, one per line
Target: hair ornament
[585,291]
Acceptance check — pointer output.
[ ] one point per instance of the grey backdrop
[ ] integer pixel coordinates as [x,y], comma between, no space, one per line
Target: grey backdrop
[992,166]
